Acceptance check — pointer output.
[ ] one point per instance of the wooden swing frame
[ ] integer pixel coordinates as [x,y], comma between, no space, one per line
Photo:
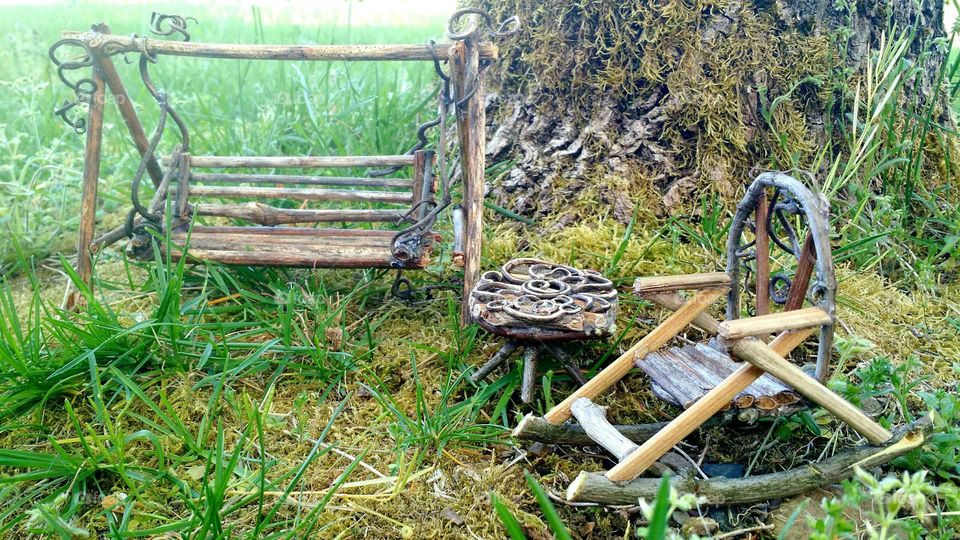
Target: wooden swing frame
[291,246]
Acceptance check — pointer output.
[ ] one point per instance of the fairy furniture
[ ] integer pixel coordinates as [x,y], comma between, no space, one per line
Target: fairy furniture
[537,305]
[741,367]
[238,209]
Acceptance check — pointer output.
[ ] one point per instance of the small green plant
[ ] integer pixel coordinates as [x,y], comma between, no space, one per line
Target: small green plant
[438,422]
[941,455]
[512,525]
[658,512]
[880,377]
[907,506]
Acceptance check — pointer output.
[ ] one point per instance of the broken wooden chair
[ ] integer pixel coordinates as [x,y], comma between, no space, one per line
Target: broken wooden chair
[740,367]
[235,210]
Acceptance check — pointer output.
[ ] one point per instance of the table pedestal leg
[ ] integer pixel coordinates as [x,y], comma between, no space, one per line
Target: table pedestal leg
[568,363]
[530,354]
[498,358]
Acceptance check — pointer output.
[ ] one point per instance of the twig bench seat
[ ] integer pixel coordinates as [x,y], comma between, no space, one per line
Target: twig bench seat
[297,247]
[267,219]
[683,375]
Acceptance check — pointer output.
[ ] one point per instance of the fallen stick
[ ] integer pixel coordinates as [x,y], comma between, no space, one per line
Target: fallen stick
[535,428]
[595,487]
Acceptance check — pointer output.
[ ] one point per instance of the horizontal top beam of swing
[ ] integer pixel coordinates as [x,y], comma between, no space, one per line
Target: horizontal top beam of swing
[115,44]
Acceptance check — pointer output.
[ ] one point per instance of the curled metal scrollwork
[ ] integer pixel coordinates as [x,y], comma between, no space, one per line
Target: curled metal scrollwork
[162,24]
[782,233]
[790,200]
[784,205]
[83,88]
[528,293]
[79,123]
[780,285]
[506,28]
[422,217]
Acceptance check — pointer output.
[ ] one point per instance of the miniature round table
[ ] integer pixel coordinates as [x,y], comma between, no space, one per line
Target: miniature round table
[536,305]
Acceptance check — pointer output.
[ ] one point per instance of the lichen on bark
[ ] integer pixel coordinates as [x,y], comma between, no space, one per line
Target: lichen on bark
[597,102]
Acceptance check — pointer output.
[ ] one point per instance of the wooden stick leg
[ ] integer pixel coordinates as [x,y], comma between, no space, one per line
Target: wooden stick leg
[505,352]
[535,428]
[88,198]
[653,341]
[761,355]
[698,413]
[762,249]
[529,382]
[465,72]
[568,363]
[127,112]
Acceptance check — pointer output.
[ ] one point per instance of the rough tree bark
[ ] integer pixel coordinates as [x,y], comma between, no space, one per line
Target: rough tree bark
[604,101]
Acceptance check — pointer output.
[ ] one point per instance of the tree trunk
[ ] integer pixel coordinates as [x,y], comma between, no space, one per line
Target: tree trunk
[603,102]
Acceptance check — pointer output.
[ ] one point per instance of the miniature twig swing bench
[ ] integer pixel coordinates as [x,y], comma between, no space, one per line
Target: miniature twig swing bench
[196,196]
[704,379]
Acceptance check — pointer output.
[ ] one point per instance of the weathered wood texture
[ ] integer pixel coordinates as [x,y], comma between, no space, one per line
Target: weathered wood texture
[300,162]
[762,250]
[457,258]
[774,322]
[683,375]
[595,487]
[182,204]
[536,428]
[801,277]
[127,112]
[91,180]
[529,379]
[224,178]
[264,214]
[660,284]
[307,249]
[347,195]
[300,257]
[593,419]
[292,231]
[651,342]
[246,241]
[464,59]
[568,362]
[116,44]
[534,300]
[498,358]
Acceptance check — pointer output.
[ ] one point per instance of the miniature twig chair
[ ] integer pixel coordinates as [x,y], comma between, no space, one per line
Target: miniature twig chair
[703,379]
